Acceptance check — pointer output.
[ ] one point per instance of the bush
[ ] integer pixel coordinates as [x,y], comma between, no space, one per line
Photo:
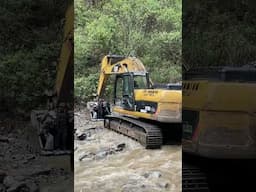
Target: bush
[86,87]
[148,29]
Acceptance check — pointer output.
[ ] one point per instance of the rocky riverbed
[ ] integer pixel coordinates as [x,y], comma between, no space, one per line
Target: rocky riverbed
[22,168]
[107,161]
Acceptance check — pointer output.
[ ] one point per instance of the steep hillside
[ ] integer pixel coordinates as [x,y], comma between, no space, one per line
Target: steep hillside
[148,29]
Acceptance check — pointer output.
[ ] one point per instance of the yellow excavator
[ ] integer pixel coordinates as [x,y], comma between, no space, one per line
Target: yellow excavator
[139,109]
[55,125]
[219,126]
[219,112]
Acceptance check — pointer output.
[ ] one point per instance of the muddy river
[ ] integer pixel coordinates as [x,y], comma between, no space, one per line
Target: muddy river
[109,162]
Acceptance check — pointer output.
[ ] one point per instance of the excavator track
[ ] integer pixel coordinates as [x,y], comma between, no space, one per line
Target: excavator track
[147,134]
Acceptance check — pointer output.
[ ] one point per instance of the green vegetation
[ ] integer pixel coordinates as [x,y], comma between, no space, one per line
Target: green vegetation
[217,33]
[31,37]
[147,29]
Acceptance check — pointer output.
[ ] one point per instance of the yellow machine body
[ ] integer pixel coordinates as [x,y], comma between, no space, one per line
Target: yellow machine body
[167,102]
[65,77]
[168,109]
[219,119]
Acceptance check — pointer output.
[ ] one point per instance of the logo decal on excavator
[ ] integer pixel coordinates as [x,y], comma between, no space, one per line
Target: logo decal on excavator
[150,92]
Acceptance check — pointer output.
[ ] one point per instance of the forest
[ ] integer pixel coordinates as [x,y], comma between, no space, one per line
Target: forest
[163,34]
[147,29]
[31,37]
[218,33]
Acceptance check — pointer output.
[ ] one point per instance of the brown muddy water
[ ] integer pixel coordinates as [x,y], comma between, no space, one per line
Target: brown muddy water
[100,166]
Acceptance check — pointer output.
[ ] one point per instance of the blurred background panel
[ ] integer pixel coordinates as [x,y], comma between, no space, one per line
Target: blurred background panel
[36,95]
[219,84]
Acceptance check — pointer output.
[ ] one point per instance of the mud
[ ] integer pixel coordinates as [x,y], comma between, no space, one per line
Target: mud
[22,168]
[101,167]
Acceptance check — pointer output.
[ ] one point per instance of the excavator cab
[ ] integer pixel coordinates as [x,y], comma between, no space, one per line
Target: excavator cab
[125,84]
[123,94]
[138,108]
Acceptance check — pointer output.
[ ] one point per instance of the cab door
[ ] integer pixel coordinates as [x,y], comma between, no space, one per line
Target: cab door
[124,91]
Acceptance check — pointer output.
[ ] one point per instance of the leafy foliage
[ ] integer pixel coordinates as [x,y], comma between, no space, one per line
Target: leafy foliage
[148,29]
[31,37]
[218,33]
[85,87]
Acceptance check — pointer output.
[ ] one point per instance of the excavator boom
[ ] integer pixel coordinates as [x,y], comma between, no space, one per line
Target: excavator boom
[138,110]
[57,120]
[115,64]
[64,80]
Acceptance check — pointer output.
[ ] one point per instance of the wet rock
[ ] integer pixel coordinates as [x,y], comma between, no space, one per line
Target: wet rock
[86,155]
[153,174]
[110,151]
[18,157]
[37,172]
[101,155]
[146,175]
[82,136]
[131,188]
[93,130]
[33,187]
[20,178]
[163,185]
[18,187]
[30,157]
[9,181]
[133,181]
[89,134]
[156,174]
[120,147]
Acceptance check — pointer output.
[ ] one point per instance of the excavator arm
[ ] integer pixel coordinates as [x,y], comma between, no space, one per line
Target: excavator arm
[64,80]
[59,116]
[139,110]
[115,64]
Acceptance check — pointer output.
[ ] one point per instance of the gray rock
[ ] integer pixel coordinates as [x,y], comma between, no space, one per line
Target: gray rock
[120,147]
[20,178]
[131,188]
[82,137]
[18,187]
[101,155]
[89,134]
[86,155]
[33,187]
[29,157]
[163,185]
[9,181]
[40,171]
[132,181]
[156,174]
[153,174]
[146,175]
